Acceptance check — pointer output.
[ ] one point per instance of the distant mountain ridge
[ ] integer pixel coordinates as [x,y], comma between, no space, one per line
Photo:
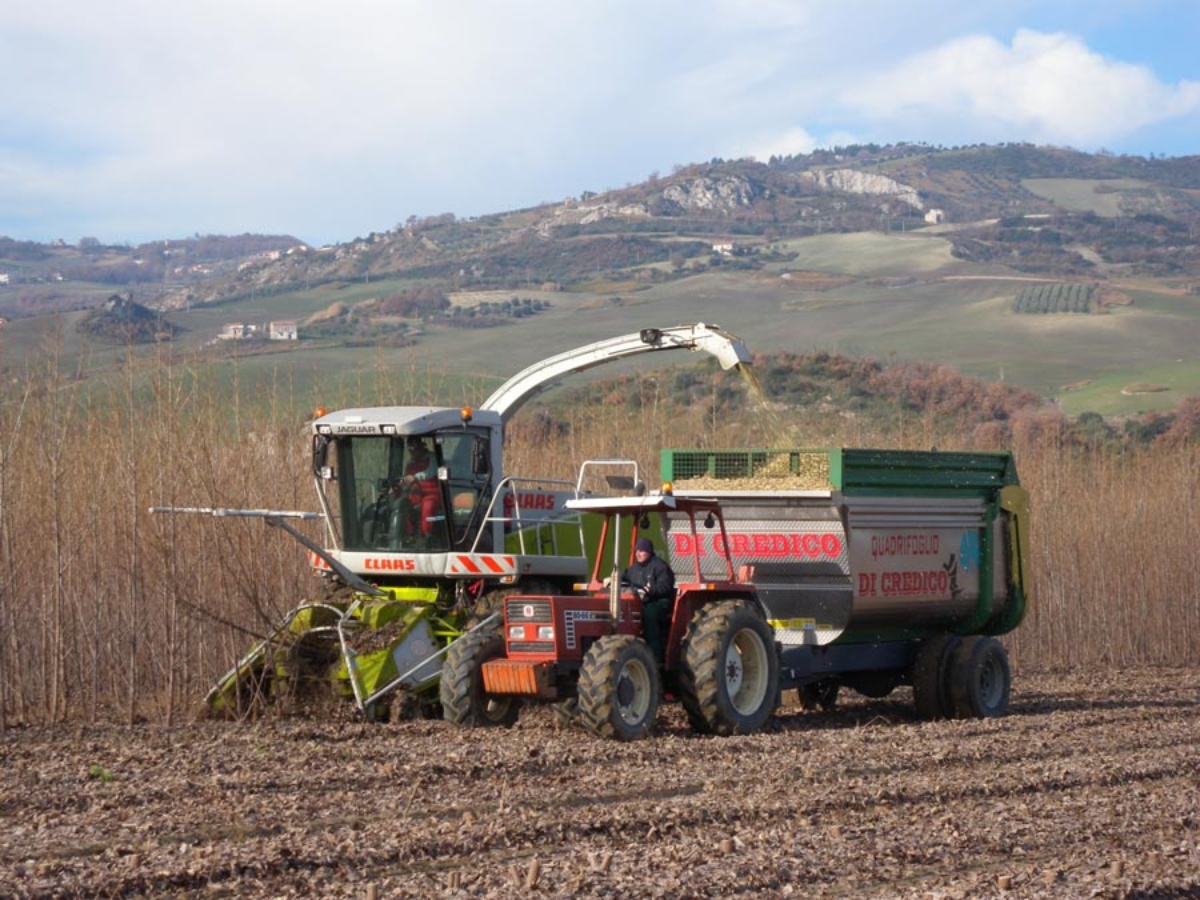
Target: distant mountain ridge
[974,191]
[982,193]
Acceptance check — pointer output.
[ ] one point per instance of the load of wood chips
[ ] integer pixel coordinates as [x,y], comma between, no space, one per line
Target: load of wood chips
[810,473]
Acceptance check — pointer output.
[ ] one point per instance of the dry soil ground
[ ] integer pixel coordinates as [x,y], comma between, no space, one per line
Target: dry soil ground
[1089,788]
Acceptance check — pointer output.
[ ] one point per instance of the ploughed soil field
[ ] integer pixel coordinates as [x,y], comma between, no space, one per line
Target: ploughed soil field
[1090,787]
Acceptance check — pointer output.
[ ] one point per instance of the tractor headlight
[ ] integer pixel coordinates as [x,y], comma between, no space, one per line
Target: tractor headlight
[516,632]
[545,633]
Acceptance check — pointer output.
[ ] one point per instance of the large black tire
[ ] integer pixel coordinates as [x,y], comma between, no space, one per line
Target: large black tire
[464,701]
[489,602]
[931,677]
[980,679]
[730,677]
[619,688]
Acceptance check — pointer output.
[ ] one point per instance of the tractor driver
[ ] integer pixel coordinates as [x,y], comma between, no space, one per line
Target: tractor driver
[652,580]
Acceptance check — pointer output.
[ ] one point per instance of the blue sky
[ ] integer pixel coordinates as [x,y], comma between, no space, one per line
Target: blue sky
[133,120]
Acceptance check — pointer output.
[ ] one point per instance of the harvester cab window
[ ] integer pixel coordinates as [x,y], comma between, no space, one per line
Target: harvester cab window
[466,455]
[390,494]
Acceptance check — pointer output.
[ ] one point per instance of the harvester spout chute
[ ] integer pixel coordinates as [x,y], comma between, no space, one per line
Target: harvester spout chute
[728,348]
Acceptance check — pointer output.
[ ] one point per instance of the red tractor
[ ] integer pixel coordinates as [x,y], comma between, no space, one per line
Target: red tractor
[588,649]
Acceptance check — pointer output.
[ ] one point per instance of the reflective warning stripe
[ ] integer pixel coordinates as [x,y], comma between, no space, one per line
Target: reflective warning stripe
[483,565]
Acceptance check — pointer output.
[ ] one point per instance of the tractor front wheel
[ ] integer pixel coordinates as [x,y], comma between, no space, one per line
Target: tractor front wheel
[464,701]
[619,688]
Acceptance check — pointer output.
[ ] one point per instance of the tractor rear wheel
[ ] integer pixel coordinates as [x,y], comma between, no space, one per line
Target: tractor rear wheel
[464,701]
[730,677]
[980,679]
[619,688]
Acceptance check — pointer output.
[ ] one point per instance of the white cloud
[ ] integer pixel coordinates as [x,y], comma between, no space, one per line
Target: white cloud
[789,142]
[146,119]
[1044,87]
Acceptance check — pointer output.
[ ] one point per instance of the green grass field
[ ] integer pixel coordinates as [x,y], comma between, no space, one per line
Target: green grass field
[1101,196]
[868,254]
[892,297]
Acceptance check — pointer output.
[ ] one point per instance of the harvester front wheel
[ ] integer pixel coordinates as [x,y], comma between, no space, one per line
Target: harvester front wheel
[730,675]
[493,601]
[619,688]
[981,679]
[464,701]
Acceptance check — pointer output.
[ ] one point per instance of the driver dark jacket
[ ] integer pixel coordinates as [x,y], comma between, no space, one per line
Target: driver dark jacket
[654,575]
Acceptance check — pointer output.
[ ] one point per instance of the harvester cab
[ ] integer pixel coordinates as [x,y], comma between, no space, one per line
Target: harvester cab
[412,493]
[588,650]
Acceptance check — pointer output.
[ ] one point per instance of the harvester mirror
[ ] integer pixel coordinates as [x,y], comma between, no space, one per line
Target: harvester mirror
[644,523]
[480,463]
[320,457]
[710,521]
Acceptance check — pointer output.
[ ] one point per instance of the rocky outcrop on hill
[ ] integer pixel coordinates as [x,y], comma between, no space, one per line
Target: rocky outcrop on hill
[851,181]
[589,214]
[714,194]
[121,319]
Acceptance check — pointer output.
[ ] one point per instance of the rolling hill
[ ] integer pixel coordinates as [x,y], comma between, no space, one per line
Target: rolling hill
[909,253]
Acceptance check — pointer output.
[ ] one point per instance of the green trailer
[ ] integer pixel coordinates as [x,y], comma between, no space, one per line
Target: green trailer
[877,568]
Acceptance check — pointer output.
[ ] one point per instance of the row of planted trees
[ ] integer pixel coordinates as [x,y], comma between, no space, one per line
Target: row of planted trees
[110,613]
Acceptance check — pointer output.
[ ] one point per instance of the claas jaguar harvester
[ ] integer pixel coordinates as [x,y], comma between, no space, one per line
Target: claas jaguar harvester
[424,531]
[810,570]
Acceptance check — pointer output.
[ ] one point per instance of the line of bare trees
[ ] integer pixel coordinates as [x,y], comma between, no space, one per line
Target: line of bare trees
[109,613]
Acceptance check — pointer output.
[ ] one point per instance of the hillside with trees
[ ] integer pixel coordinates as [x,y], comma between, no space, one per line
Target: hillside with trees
[835,237]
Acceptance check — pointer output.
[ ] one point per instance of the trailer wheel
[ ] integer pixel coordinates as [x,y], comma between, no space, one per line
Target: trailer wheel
[619,688]
[981,679]
[931,673]
[730,677]
[464,701]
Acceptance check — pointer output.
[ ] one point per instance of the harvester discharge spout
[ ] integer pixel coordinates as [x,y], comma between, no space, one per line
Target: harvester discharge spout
[728,349]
